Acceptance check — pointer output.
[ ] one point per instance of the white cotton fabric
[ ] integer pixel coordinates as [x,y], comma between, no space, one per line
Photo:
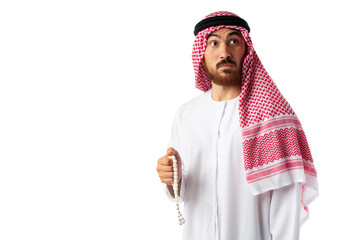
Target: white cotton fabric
[275,148]
[218,203]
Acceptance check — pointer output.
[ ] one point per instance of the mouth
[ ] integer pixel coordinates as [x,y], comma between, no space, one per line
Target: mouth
[226,66]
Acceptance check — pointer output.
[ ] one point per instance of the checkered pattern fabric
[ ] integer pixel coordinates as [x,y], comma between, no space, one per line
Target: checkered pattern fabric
[276,152]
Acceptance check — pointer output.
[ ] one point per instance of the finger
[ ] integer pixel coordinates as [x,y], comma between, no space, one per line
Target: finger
[168,181]
[166,174]
[166,161]
[162,168]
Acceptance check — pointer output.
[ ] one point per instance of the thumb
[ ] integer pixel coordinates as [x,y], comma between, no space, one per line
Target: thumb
[171,151]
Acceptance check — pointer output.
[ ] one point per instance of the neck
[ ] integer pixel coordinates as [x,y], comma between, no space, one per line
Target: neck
[224,93]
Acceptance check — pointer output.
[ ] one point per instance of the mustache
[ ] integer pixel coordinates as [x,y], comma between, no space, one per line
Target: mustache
[225,61]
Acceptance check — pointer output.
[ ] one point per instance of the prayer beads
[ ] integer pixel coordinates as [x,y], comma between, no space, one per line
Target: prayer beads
[175,188]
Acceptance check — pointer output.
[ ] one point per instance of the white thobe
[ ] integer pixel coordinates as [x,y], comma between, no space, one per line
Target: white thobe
[218,204]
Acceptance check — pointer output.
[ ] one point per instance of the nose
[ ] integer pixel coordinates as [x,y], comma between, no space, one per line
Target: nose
[225,52]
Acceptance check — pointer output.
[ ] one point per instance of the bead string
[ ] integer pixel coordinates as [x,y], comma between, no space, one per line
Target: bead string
[175,188]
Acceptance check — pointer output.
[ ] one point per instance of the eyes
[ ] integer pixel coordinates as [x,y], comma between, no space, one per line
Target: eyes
[231,41]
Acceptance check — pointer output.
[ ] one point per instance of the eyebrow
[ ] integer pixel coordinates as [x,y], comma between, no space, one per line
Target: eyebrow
[213,35]
[229,35]
[233,33]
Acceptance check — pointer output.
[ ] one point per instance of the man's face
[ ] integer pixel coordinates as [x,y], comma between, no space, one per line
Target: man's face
[224,56]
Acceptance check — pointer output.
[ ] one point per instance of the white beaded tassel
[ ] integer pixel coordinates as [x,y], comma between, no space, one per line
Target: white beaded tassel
[175,188]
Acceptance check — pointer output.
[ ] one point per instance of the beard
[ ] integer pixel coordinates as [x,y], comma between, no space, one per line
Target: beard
[227,77]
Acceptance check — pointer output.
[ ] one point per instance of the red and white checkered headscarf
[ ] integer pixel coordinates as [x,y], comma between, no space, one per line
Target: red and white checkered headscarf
[276,152]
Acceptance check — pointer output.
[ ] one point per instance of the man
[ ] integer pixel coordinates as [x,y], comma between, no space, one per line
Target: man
[245,171]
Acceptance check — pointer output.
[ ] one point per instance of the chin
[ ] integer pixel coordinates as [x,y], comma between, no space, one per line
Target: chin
[227,82]
[226,77]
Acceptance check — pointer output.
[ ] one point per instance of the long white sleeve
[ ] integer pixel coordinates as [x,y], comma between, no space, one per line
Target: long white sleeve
[175,143]
[285,212]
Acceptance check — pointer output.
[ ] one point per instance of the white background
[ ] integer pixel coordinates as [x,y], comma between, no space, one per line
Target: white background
[88,93]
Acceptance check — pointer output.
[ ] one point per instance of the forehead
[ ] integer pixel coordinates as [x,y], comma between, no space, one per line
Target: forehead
[223,32]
